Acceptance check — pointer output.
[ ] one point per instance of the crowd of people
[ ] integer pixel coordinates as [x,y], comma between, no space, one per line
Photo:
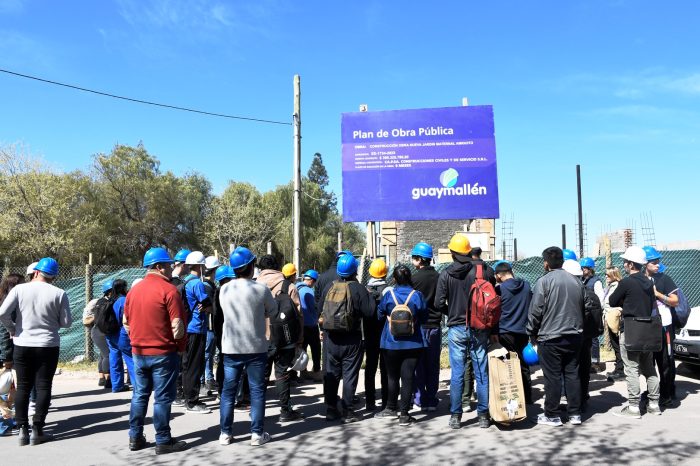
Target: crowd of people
[195,326]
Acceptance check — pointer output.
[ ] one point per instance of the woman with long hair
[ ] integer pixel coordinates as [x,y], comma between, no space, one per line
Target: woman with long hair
[613,277]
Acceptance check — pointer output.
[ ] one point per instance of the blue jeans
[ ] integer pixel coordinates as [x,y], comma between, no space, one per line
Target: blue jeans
[209,351]
[254,366]
[157,374]
[119,353]
[428,369]
[460,340]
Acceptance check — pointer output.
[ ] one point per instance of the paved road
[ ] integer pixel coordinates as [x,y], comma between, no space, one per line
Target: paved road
[91,428]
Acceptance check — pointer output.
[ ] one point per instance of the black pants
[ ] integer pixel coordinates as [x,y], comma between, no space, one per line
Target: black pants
[374,358]
[560,357]
[312,338]
[283,360]
[340,361]
[584,367]
[666,365]
[516,342]
[193,367]
[401,365]
[615,343]
[35,369]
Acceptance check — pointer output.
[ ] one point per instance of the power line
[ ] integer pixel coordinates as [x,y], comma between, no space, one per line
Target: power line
[173,107]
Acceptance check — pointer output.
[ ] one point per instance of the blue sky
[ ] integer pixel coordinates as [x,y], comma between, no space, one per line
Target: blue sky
[611,85]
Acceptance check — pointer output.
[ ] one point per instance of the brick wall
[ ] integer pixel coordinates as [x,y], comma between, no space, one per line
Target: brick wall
[435,233]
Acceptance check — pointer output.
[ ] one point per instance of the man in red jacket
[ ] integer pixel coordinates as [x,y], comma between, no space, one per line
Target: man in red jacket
[155,319]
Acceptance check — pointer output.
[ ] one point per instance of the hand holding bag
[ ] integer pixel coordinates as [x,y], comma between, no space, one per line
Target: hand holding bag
[643,333]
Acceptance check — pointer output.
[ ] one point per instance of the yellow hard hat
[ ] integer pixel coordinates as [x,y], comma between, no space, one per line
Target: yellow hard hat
[289,270]
[378,268]
[459,244]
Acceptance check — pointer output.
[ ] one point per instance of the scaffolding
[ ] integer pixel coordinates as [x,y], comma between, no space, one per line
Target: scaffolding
[507,250]
[585,236]
[648,233]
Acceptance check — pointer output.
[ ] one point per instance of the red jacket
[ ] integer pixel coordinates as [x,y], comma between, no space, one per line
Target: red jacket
[155,317]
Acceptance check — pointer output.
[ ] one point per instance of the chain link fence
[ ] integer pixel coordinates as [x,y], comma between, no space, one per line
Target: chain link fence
[83,283]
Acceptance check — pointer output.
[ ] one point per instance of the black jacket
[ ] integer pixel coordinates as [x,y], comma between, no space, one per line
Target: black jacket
[362,304]
[425,280]
[515,304]
[323,280]
[635,295]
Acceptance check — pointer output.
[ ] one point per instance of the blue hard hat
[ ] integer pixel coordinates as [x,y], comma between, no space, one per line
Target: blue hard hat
[107,285]
[156,256]
[347,265]
[652,253]
[497,263]
[182,255]
[240,257]
[48,265]
[587,262]
[312,274]
[422,250]
[569,254]
[224,271]
[344,252]
[530,355]
[662,268]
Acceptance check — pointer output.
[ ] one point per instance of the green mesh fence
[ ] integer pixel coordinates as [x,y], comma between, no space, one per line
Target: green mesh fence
[680,265]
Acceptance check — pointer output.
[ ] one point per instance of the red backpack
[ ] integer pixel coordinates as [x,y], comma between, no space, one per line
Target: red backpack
[484,303]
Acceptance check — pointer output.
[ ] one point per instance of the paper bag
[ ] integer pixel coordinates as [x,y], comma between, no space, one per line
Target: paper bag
[506,393]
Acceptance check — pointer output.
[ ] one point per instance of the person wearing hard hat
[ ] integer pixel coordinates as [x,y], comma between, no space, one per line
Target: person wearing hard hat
[154,317]
[425,280]
[328,276]
[199,302]
[211,265]
[43,311]
[593,282]
[246,306]
[635,294]
[372,333]
[98,338]
[452,298]
[312,337]
[180,269]
[289,271]
[282,358]
[555,320]
[516,296]
[666,293]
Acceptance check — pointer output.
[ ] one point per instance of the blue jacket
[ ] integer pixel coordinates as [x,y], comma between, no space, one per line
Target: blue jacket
[197,293]
[420,315]
[515,303]
[118,308]
[308,304]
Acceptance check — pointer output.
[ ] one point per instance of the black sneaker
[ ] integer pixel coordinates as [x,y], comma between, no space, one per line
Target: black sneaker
[211,385]
[290,415]
[38,436]
[405,420]
[332,414]
[179,402]
[101,382]
[172,446]
[198,408]
[23,436]
[350,417]
[389,414]
[484,421]
[456,421]
[137,443]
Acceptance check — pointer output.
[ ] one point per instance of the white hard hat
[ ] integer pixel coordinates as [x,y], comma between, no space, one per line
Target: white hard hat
[301,362]
[195,258]
[635,254]
[573,267]
[30,268]
[211,262]
[6,379]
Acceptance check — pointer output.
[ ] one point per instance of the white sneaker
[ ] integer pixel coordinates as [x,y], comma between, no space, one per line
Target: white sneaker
[225,439]
[653,408]
[259,439]
[575,420]
[543,420]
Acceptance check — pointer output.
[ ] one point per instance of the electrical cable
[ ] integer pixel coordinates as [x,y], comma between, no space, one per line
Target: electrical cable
[173,107]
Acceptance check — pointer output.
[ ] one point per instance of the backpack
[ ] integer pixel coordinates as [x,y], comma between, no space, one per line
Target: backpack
[681,312]
[338,313]
[484,310]
[593,314]
[401,317]
[284,322]
[376,292]
[105,318]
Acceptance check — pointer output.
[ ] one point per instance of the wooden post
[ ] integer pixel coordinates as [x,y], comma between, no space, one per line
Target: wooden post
[340,240]
[89,348]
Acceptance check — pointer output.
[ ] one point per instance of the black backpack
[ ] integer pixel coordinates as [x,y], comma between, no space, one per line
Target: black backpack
[105,318]
[284,322]
[401,317]
[593,314]
[338,313]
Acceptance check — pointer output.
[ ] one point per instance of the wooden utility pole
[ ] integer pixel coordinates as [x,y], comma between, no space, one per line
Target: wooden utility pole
[580,212]
[89,350]
[297,172]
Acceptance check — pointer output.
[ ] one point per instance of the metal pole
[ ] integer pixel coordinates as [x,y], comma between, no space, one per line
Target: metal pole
[580,211]
[297,171]
[515,249]
[563,236]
